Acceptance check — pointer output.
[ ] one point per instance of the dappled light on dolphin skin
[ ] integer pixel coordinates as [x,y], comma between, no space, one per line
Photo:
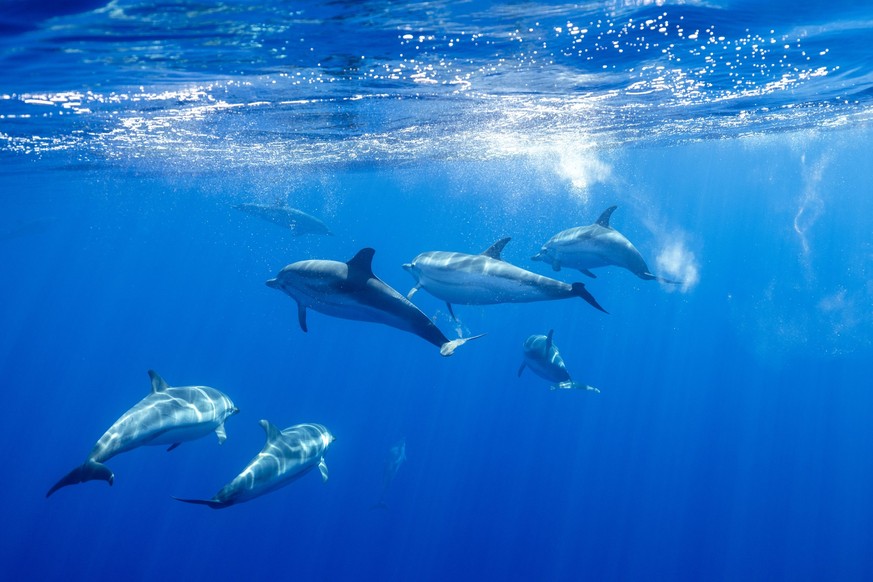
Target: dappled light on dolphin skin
[287,455]
[167,416]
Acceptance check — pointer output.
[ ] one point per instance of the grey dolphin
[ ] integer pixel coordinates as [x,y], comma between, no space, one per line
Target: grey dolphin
[592,246]
[541,355]
[396,458]
[298,221]
[350,290]
[486,279]
[287,455]
[167,416]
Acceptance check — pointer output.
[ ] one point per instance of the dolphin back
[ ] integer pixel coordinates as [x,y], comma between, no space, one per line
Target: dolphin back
[88,471]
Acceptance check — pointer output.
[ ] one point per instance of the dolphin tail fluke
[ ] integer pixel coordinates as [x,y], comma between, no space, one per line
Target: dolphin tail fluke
[650,277]
[571,385]
[580,291]
[87,471]
[209,502]
[448,348]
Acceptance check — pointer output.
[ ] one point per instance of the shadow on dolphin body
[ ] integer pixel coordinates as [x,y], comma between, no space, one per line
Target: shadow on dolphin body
[350,290]
[167,416]
[595,245]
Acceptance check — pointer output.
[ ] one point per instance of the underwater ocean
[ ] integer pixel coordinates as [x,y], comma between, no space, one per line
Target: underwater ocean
[161,161]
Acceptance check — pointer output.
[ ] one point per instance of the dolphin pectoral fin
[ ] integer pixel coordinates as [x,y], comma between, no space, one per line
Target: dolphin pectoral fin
[413,291]
[220,433]
[322,468]
[448,348]
[301,316]
[521,368]
[173,446]
[588,273]
[452,311]
[579,290]
[210,502]
[87,471]
[604,218]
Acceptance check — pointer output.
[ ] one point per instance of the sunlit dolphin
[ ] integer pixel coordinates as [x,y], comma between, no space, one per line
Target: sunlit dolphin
[396,458]
[167,416]
[542,357]
[287,455]
[298,221]
[592,246]
[350,290]
[486,279]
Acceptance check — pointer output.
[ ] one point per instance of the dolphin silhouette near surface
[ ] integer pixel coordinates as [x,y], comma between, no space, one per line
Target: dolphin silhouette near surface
[287,455]
[297,221]
[167,416]
[350,290]
[596,245]
[486,279]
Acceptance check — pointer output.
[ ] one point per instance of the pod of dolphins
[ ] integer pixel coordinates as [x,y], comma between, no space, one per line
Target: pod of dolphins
[350,290]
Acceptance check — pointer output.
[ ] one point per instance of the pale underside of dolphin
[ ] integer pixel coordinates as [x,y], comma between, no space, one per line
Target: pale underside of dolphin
[596,245]
[541,355]
[486,279]
[167,416]
[287,455]
[297,221]
[350,290]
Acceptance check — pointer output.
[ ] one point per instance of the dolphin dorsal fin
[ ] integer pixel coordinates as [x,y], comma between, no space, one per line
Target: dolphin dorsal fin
[361,265]
[158,383]
[604,218]
[549,339]
[272,432]
[494,250]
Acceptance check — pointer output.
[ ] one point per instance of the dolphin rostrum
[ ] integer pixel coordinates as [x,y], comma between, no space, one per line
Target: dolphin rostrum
[350,290]
[167,416]
[287,455]
[592,246]
[486,279]
[396,458]
[298,221]
[542,357]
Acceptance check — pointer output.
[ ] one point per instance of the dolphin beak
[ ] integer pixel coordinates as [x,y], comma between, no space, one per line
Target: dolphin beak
[272,283]
[537,256]
[407,266]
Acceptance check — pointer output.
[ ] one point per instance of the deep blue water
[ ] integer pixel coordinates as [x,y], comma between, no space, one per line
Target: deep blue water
[731,439]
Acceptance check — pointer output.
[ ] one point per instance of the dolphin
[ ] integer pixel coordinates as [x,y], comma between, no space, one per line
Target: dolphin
[592,246]
[287,455]
[542,357]
[396,458]
[298,221]
[486,279]
[350,290]
[167,416]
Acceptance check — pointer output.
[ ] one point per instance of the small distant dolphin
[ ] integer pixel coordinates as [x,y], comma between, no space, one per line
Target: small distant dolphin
[167,416]
[396,458]
[592,246]
[350,290]
[287,455]
[298,221]
[486,279]
[542,357]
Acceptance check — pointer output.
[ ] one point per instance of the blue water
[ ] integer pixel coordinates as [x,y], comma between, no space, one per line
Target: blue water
[731,439]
